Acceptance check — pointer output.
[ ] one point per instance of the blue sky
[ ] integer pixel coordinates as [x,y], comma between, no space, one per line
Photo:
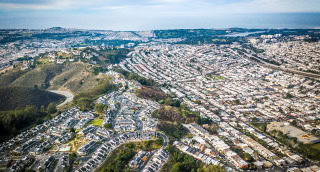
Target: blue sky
[143,14]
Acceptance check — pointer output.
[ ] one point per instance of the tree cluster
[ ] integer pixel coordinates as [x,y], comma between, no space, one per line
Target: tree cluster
[85,99]
[11,122]
[151,94]
[179,161]
[174,130]
[134,76]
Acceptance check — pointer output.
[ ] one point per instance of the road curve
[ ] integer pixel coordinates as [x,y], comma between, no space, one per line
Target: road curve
[165,140]
[68,95]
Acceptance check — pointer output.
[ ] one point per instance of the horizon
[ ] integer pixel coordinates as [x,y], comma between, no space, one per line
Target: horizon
[226,28]
[127,15]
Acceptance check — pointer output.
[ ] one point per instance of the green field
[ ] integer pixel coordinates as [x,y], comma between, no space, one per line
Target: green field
[216,77]
[96,122]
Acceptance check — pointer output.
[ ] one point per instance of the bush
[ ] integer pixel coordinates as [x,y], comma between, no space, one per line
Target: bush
[99,107]
[151,94]
[108,126]
[52,108]
[134,76]
[171,129]
[85,98]
[11,122]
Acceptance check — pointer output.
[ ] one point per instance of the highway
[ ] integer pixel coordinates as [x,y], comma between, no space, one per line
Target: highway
[272,66]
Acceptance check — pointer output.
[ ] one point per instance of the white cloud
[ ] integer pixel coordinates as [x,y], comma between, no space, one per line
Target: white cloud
[110,7]
[14,6]
[271,6]
[182,7]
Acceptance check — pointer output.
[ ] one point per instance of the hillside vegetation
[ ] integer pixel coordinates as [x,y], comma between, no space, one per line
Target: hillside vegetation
[76,77]
[38,77]
[85,99]
[14,121]
[73,77]
[151,94]
[15,97]
[10,76]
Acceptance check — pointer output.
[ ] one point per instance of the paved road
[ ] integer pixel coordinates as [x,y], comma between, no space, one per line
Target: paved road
[165,140]
[68,95]
[164,145]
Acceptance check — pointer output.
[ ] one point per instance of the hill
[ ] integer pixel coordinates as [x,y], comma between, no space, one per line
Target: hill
[10,76]
[73,77]
[38,77]
[14,97]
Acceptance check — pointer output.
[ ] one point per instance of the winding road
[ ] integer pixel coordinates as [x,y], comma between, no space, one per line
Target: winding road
[68,95]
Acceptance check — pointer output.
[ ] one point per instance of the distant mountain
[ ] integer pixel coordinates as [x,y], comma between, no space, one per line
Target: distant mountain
[13,97]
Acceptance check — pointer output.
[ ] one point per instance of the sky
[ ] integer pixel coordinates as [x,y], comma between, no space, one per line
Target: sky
[158,14]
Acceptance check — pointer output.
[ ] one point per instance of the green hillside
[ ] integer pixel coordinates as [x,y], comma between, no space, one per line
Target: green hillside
[76,77]
[10,76]
[39,76]
[14,97]
[73,77]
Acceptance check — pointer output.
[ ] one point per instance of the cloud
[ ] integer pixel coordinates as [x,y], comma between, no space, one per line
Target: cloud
[187,7]
[15,6]
[51,4]
[110,7]
[270,6]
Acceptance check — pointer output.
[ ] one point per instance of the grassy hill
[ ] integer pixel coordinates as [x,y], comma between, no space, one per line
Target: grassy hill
[13,97]
[10,76]
[40,76]
[74,77]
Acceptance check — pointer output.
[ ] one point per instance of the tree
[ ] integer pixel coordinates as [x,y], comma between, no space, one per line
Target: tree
[289,96]
[108,126]
[99,107]
[42,109]
[176,167]
[176,103]
[168,101]
[51,108]
[213,168]
[72,130]
[73,156]
[247,157]
[84,103]
[198,102]
[159,142]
